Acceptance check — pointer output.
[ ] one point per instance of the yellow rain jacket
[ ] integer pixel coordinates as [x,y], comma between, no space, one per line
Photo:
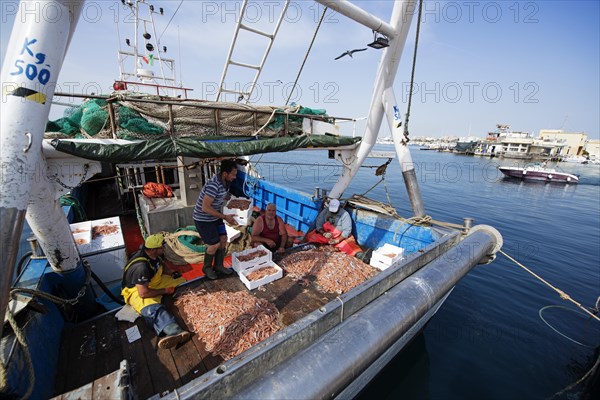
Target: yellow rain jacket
[158,281]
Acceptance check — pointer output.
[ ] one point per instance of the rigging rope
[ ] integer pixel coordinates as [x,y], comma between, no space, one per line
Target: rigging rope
[306,55]
[168,23]
[412,75]
[562,294]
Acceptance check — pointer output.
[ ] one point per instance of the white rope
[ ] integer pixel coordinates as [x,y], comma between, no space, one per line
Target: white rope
[562,294]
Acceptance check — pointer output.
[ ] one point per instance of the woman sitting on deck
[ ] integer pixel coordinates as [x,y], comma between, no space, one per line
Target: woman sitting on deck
[334,227]
[269,230]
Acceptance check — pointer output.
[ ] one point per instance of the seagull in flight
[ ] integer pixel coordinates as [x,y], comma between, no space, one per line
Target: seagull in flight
[349,53]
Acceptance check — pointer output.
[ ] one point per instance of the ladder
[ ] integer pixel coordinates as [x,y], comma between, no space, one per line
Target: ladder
[245,95]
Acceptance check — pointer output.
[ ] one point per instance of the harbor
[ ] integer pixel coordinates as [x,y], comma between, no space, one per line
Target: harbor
[549,145]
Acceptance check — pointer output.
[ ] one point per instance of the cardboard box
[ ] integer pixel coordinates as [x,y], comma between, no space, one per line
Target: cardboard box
[263,281]
[242,265]
[241,216]
[386,255]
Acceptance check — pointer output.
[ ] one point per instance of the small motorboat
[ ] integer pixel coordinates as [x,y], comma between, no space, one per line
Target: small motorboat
[539,172]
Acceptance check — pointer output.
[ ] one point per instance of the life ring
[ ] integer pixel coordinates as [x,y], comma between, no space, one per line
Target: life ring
[549,176]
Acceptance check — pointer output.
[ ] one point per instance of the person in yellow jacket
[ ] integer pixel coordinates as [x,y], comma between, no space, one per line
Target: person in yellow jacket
[145,281]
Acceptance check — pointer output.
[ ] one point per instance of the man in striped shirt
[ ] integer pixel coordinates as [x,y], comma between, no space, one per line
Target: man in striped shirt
[208,218]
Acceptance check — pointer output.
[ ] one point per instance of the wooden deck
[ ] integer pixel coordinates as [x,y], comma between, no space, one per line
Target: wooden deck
[95,348]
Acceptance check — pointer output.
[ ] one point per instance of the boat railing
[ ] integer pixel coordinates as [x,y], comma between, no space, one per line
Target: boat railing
[129,85]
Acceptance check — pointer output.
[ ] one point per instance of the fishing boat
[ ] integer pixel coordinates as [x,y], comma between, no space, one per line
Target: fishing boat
[539,172]
[58,341]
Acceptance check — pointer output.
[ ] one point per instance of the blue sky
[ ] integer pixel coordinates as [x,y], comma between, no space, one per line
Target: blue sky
[530,64]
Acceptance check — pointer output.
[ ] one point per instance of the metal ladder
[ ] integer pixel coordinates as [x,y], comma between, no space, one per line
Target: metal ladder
[240,25]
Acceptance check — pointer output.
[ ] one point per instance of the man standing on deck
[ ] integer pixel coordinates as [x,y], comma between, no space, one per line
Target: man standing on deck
[145,281]
[208,218]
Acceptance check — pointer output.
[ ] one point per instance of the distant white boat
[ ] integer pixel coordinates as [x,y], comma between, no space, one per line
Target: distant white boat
[576,159]
[385,140]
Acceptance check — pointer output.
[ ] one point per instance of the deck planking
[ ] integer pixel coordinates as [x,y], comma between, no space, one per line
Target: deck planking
[95,348]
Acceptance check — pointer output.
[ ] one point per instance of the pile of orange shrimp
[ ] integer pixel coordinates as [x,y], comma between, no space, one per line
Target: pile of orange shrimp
[102,230]
[251,256]
[333,271]
[261,273]
[229,323]
[239,204]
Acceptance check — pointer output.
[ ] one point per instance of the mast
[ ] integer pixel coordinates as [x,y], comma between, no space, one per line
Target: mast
[383,100]
[138,71]
[34,57]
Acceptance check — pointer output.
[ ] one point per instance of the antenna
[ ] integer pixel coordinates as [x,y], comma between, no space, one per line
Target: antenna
[180,62]
[564,122]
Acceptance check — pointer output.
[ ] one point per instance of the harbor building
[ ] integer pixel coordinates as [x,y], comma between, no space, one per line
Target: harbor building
[593,149]
[574,142]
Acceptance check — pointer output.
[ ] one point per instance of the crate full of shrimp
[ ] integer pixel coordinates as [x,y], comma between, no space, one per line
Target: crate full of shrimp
[386,255]
[250,258]
[260,274]
[82,232]
[240,207]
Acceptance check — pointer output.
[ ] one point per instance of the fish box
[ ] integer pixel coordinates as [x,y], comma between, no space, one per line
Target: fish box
[240,265]
[232,233]
[386,255]
[82,232]
[241,216]
[244,274]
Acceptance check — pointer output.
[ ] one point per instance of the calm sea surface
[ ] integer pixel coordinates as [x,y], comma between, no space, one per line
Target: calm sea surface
[488,341]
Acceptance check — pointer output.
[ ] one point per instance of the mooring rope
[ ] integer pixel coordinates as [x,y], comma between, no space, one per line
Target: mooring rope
[20,337]
[561,293]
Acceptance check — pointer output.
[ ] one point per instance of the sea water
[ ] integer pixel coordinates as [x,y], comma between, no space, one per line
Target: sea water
[502,334]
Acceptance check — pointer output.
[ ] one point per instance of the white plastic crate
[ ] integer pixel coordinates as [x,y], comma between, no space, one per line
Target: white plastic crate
[386,255]
[241,216]
[82,232]
[232,233]
[263,281]
[242,265]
